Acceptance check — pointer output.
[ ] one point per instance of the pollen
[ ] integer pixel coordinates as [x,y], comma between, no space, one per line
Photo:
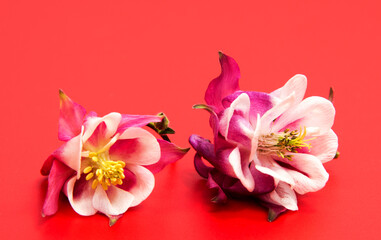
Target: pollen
[104,171]
[283,143]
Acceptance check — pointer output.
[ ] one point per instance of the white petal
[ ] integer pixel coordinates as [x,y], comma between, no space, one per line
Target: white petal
[297,84]
[114,201]
[145,182]
[282,195]
[241,171]
[112,121]
[82,201]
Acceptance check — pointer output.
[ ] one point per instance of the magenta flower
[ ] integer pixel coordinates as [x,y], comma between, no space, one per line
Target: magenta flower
[106,164]
[267,146]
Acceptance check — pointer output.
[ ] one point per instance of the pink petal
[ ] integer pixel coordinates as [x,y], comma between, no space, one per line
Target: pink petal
[297,85]
[259,102]
[267,165]
[80,195]
[200,167]
[203,146]
[111,120]
[98,139]
[59,174]
[241,170]
[143,187]
[324,147]
[315,112]
[45,169]
[282,195]
[71,118]
[136,146]
[112,202]
[70,153]
[309,174]
[223,85]
[170,153]
[267,120]
[220,196]
[241,106]
[136,121]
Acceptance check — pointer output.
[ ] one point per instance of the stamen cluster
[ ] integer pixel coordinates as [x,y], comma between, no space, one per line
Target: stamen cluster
[283,143]
[105,171]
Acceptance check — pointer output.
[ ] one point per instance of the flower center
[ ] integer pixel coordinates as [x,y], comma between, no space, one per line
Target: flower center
[283,143]
[104,171]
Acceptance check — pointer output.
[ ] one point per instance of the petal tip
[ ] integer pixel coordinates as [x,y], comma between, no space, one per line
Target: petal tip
[220,54]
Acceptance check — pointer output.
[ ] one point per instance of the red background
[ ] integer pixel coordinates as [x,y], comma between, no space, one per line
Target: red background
[143,57]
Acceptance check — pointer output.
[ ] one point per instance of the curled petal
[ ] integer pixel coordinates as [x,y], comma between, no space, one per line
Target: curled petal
[71,118]
[136,121]
[80,195]
[220,196]
[307,172]
[297,85]
[266,165]
[200,167]
[259,102]
[203,147]
[59,173]
[282,195]
[239,107]
[241,170]
[114,201]
[225,84]
[111,121]
[136,146]
[170,153]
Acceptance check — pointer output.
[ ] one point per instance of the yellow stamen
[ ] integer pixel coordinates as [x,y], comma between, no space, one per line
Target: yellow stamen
[95,184]
[87,169]
[89,176]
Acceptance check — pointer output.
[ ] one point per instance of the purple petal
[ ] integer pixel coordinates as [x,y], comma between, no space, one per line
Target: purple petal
[220,196]
[170,153]
[59,174]
[263,183]
[259,102]
[136,121]
[225,84]
[200,167]
[202,146]
[71,118]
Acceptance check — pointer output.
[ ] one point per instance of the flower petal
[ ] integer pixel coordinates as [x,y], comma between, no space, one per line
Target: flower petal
[259,102]
[136,121]
[225,84]
[70,153]
[324,147]
[297,85]
[200,167]
[314,112]
[282,195]
[309,174]
[59,174]
[203,146]
[111,120]
[267,165]
[136,146]
[71,118]
[235,120]
[80,195]
[143,187]
[98,139]
[114,201]
[170,153]
[241,170]
[220,196]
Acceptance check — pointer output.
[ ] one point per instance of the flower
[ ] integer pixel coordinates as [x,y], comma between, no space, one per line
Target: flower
[106,164]
[267,146]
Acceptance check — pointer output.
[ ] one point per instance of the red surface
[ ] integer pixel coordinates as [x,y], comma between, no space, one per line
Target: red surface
[143,57]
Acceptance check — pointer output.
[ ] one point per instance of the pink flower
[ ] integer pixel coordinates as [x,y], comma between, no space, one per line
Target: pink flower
[267,146]
[106,164]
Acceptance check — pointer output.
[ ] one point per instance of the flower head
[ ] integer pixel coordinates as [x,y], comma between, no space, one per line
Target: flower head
[106,164]
[266,145]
